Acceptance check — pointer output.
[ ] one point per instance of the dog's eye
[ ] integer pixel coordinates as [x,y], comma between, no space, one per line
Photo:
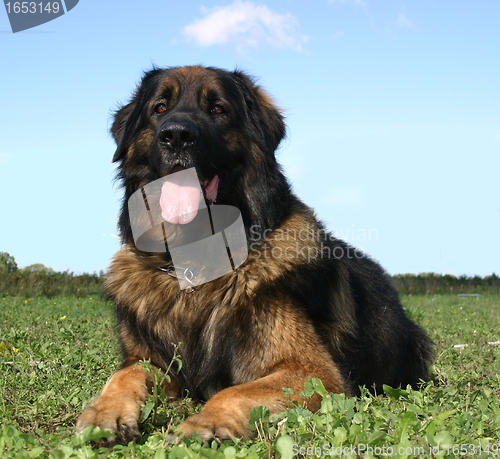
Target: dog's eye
[217,110]
[160,108]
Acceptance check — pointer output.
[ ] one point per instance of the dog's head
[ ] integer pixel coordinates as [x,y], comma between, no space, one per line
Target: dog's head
[219,122]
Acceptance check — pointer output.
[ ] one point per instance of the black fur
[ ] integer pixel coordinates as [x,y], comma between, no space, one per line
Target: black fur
[384,347]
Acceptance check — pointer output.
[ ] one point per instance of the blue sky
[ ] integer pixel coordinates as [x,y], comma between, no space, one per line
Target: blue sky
[393,113]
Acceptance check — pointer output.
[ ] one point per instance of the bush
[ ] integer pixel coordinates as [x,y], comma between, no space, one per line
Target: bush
[7,263]
[431,283]
[31,283]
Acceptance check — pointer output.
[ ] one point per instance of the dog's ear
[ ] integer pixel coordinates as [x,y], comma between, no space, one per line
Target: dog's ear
[263,111]
[128,119]
[118,130]
[272,115]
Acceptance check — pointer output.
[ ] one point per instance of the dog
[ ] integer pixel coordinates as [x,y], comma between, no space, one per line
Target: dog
[301,305]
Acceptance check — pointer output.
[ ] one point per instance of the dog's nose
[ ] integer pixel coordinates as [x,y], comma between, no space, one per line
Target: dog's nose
[177,135]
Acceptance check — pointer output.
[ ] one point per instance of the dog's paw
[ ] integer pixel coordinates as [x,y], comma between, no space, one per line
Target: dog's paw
[213,426]
[117,415]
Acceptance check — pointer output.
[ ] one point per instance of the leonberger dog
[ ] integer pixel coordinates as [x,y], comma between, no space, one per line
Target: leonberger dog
[301,304]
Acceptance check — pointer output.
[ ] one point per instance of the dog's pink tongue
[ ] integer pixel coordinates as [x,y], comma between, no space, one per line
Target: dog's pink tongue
[180,197]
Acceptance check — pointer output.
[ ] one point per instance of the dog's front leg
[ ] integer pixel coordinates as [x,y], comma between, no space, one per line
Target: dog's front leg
[226,415]
[118,408]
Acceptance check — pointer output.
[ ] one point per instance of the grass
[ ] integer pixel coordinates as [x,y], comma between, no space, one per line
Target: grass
[56,354]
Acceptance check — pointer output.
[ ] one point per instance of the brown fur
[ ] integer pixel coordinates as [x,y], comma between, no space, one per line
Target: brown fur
[278,320]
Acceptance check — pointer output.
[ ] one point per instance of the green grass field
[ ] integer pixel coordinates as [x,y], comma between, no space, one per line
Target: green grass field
[56,354]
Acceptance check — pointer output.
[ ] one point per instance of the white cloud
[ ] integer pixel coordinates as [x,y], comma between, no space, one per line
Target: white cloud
[247,25]
[404,21]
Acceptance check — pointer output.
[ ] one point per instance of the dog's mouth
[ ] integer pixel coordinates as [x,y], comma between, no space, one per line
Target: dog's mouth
[182,194]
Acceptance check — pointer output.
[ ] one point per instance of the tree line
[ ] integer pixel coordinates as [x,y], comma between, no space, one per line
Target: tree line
[39,280]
